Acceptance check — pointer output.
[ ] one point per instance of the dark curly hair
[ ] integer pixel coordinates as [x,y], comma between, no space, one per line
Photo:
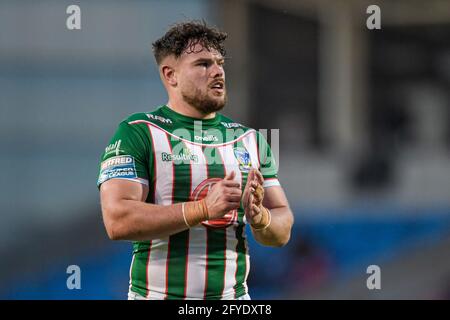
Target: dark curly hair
[184,36]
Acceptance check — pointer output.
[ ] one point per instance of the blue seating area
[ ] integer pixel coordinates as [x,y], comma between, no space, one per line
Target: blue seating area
[350,242]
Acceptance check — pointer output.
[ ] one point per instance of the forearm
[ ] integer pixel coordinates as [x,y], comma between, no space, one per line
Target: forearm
[278,233]
[127,217]
[140,221]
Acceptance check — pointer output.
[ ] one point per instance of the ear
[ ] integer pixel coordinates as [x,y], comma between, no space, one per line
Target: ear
[169,75]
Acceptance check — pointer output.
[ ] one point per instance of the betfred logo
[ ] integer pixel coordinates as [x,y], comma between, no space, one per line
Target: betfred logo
[117,167]
[201,192]
[118,160]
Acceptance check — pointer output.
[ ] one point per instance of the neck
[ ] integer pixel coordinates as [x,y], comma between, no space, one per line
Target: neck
[186,109]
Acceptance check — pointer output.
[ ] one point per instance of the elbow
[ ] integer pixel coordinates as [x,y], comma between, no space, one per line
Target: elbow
[287,235]
[275,242]
[113,225]
[282,241]
[113,232]
[284,238]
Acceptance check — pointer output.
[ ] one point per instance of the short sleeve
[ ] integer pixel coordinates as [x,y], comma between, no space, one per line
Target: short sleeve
[267,162]
[126,157]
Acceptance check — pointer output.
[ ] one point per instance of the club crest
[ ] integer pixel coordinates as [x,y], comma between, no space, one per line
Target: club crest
[243,157]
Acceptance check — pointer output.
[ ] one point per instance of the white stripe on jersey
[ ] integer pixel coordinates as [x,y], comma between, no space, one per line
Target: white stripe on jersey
[271,182]
[196,266]
[247,259]
[157,269]
[157,266]
[230,164]
[139,180]
[131,268]
[164,169]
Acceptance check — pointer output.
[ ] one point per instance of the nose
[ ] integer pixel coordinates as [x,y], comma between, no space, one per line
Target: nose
[217,71]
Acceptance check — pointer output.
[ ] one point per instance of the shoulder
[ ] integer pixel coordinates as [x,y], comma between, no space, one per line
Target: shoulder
[155,116]
[243,130]
[143,119]
[136,125]
[134,118]
[229,123]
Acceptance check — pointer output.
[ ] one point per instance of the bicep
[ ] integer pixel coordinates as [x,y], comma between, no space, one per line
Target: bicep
[115,190]
[274,197]
[115,197]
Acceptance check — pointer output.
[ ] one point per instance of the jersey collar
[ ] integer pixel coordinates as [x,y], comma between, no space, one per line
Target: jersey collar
[188,122]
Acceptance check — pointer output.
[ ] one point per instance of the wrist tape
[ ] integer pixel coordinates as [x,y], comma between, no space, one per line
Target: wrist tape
[265,219]
[194,212]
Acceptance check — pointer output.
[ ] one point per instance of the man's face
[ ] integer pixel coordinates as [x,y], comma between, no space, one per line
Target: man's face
[201,79]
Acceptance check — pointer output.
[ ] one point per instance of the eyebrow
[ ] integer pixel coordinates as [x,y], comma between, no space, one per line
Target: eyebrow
[209,60]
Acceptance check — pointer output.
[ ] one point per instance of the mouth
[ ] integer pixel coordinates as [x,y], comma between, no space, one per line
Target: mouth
[218,87]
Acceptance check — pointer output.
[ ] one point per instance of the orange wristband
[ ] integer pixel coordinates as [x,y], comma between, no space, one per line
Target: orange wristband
[194,212]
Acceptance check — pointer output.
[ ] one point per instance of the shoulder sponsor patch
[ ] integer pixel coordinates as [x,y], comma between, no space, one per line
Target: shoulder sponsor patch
[117,167]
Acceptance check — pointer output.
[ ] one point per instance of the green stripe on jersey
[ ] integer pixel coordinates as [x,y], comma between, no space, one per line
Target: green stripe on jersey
[216,257]
[176,263]
[241,261]
[178,243]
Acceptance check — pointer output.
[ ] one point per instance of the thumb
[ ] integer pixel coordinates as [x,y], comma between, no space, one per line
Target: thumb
[251,175]
[230,176]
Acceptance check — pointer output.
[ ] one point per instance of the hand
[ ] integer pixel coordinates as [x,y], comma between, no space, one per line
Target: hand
[223,197]
[253,197]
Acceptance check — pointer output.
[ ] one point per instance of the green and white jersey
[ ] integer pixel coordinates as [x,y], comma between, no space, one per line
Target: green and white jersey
[180,158]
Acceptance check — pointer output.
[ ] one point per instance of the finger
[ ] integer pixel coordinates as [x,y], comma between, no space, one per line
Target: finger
[259,193]
[245,199]
[233,197]
[231,184]
[253,215]
[251,175]
[234,205]
[230,176]
[247,184]
[259,177]
[235,191]
[250,201]
[256,218]
[257,201]
[256,209]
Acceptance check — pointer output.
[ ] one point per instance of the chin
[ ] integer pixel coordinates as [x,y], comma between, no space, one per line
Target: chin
[206,103]
[219,99]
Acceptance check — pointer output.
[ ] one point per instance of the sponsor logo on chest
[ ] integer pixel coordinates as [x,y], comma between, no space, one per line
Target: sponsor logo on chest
[207,138]
[185,156]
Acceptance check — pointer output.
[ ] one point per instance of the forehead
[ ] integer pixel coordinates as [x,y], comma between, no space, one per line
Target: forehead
[199,52]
